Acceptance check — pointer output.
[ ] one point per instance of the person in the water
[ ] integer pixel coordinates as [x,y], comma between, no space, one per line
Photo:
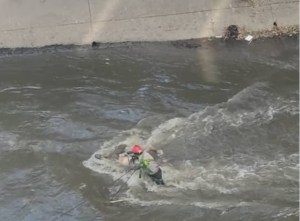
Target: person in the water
[137,159]
[145,162]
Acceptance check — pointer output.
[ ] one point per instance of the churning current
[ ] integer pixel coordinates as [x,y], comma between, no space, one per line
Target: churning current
[224,117]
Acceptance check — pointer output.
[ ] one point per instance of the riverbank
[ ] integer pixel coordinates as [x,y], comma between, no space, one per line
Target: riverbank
[282,34]
[274,32]
[44,23]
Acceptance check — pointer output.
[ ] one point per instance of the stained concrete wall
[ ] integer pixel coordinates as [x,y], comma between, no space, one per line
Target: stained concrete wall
[34,23]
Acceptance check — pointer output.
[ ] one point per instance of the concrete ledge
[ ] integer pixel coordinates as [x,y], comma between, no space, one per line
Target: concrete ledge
[45,22]
[171,27]
[23,14]
[286,13]
[249,18]
[38,37]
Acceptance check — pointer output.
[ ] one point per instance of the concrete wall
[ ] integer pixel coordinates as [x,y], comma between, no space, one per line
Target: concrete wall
[34,23]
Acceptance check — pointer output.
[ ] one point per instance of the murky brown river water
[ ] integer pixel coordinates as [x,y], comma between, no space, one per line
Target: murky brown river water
[225,116]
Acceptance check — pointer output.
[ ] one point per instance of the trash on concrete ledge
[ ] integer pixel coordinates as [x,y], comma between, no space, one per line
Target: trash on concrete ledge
[232,32]
[249,38]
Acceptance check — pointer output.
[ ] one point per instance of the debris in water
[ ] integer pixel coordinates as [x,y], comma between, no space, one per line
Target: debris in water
[116,201]
[82,186]
[249,38]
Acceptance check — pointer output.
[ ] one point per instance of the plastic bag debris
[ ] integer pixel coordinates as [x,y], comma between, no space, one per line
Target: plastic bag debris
[249,38]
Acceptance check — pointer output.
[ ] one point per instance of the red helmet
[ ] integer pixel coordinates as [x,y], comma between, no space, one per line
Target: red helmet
[136,149]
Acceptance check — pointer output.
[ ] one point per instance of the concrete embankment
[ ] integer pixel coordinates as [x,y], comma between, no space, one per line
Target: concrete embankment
[38,23]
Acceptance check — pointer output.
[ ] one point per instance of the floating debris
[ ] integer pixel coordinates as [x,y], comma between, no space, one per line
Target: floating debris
[82,186]
[249,38]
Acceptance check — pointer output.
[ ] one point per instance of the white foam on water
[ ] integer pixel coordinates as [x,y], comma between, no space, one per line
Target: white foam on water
[219,176]
[221,205]
[213,179]
[286,212]
[8,141]
[20,88]
[168,202]
[165,132]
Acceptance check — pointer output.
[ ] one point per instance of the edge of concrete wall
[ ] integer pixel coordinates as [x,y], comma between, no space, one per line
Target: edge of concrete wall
[50,22]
